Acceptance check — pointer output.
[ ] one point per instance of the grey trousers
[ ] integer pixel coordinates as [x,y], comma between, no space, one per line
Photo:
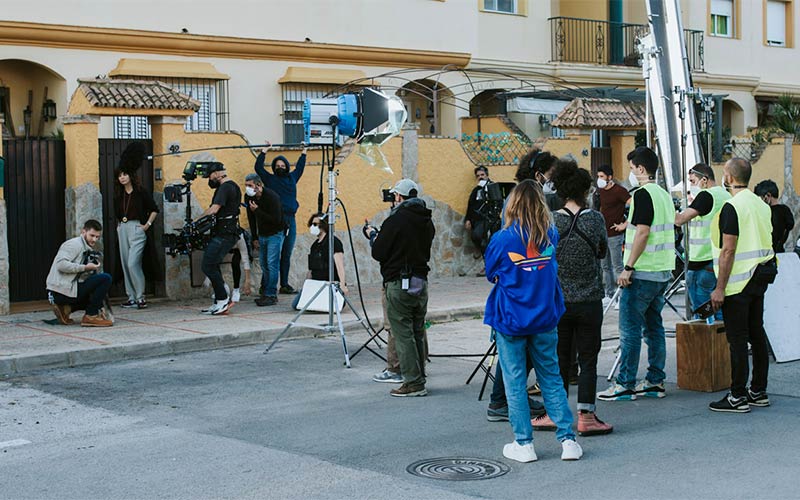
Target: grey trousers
[132,239]
[612,264]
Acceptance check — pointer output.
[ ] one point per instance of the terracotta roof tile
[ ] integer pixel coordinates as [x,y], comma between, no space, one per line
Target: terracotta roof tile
[135,94]
[601,114]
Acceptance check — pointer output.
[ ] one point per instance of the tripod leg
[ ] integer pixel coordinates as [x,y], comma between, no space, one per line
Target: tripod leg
[341,327]
[291,323]
[490,352]
[488,375]
[615,365]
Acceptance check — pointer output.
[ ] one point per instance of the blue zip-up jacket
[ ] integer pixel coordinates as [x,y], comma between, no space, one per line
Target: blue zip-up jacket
[285,186]
[526,298]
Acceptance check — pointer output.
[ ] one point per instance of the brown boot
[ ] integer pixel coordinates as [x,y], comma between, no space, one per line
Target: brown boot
[62,313]
[590,425]
[543,423]
[97,320]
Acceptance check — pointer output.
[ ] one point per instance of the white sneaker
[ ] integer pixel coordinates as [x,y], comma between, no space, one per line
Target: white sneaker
[571,450]
[521,453]
[219,307]
[235,296]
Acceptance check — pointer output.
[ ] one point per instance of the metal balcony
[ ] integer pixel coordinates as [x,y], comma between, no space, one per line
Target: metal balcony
[609,43]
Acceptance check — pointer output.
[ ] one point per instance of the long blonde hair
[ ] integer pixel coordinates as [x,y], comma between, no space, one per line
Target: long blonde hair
[526,205]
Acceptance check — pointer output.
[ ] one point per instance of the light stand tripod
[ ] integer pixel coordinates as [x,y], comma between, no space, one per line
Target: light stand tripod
[332,287]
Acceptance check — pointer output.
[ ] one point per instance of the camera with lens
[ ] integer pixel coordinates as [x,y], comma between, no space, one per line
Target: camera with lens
[388,196]
[92,257]
[195,169]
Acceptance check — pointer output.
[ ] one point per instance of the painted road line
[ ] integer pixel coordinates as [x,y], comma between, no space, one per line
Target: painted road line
[14,442]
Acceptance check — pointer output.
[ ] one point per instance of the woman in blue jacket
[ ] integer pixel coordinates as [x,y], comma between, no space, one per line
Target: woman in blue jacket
[523,309]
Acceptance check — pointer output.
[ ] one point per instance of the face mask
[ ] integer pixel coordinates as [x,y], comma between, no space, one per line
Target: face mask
[283,172]
[548,188]
[602,183]
[213,183]
[633,179]
[314,230]
[694,191]
[251,192]
[482,183]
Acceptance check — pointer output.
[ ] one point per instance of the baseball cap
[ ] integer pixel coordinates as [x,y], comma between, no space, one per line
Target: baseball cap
[211,167]
[404,187]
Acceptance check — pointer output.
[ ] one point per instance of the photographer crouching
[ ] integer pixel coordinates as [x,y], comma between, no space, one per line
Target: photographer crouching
[75,282]
[225,208]
[403,248]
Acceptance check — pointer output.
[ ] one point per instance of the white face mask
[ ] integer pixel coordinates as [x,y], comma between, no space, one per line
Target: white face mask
[694,191]
[602,183]
[251,192]
[482,182]
[314,230]
[633,179]
[548,188]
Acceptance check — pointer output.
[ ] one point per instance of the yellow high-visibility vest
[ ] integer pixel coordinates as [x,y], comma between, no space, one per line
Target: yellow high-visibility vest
[700,227]
[754,244]
[659,254]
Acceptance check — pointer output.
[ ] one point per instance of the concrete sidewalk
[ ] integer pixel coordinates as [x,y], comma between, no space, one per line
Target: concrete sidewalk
[28,343]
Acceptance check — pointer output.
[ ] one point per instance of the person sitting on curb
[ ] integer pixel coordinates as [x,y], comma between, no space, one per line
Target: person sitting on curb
[75,282]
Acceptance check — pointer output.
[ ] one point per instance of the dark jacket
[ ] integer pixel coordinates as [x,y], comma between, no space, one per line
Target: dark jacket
[403,245]
[284,185]
[268,217]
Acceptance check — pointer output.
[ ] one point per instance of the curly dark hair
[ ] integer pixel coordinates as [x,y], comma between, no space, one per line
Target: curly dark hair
[536,161]
[571,182]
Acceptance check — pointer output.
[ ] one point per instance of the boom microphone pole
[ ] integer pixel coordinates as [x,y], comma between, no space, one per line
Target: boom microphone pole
[175,150]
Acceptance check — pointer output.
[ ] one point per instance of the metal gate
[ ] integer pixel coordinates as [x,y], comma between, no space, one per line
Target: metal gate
[35,181]
[600,156]
[110,152]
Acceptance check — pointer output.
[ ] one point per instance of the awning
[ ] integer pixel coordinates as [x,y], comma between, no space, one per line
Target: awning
[173,69]
[602,114]
[535,106]
[297,74]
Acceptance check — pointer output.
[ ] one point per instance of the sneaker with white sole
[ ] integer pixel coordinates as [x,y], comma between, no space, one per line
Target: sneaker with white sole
[388,377]
[227,290]
[649,390]
[617,392]
[759,399]
[730,404]
[236,295]
[571,450]
[219,307]
[520,452]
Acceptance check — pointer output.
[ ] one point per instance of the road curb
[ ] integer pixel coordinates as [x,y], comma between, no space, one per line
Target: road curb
[12,366]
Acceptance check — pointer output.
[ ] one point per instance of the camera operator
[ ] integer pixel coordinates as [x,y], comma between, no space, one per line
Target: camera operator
[225,206]
[75,283]
[403,248]
[267,227]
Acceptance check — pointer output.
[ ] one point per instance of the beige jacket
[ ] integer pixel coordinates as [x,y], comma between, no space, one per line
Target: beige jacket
[67,268]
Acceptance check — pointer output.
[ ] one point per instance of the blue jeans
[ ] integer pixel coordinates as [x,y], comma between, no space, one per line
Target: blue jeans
[640,306]
[542,351]
[218,247]
[612,264]
[270,258]
[288,246]
[700,285]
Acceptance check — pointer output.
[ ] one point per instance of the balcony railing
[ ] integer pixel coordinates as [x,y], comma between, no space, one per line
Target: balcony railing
[609,43]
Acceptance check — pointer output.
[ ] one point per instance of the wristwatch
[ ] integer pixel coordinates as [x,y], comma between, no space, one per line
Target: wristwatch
[629,268]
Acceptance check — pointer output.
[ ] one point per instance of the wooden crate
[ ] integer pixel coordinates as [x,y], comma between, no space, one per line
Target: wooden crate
[703,356]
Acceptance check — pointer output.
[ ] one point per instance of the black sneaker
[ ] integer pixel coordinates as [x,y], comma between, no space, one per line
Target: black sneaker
[142,304]
[287,290]
[131,304]
[757,398]
[499,413]
[266,301]
[730,404]
[537,408]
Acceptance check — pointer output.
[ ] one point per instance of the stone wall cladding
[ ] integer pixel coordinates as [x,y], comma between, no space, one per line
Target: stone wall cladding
[83,202]
[5,304]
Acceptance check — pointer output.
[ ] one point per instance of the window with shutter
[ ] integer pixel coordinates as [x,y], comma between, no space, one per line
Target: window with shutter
[776,23]
[722,17]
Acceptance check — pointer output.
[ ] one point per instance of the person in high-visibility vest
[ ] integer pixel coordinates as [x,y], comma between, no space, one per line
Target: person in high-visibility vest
[649,261]
[745,265]
[707,202]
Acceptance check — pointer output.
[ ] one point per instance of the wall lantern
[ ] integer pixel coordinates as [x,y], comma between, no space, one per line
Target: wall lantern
[49,110]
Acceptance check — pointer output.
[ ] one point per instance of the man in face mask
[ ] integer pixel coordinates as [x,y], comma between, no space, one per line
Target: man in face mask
[649,261]
[782,218]
[284,182]
[475,219]
[708,199]
[225,206]
[265,217]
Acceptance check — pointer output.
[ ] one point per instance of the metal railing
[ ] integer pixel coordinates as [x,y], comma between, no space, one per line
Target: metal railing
[609,43]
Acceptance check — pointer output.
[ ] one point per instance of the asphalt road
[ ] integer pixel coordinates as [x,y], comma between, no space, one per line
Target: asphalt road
[294,423]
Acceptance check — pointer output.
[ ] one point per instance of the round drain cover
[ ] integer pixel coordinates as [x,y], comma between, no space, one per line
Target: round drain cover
[458,468]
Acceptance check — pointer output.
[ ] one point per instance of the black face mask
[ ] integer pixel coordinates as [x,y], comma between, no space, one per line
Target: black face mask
[283,172]
[213,183]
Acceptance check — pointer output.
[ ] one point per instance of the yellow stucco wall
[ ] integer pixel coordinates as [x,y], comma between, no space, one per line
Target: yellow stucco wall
[23,76]
[575,144]
[82,154]
[621,145]
[489,125]
[768,166]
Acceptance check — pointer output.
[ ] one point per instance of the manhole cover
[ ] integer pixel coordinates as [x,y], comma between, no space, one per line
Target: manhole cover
[458,468]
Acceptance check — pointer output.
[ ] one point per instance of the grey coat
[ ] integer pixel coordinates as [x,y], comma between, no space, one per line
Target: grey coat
[67,268]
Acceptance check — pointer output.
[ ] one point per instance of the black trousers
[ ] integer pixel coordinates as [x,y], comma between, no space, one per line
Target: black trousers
[91,294]
[743,315]
[580,329]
